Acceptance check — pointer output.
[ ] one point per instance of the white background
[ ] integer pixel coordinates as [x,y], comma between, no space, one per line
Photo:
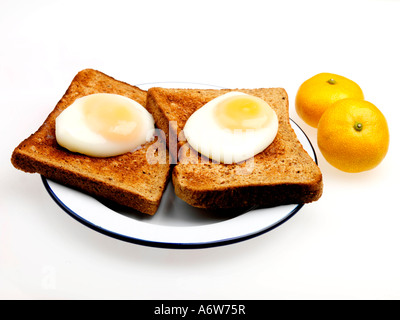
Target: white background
[345,246]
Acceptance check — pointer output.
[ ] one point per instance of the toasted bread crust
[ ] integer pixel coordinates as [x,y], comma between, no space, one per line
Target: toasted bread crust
[127,179]
[283,173]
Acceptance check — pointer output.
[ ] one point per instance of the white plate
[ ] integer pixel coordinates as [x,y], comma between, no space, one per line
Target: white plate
[176,224]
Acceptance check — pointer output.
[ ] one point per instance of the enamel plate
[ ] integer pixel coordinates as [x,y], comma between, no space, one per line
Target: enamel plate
[176,224]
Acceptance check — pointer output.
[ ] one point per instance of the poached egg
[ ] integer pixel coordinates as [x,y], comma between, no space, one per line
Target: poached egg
[232,128]
[104,125]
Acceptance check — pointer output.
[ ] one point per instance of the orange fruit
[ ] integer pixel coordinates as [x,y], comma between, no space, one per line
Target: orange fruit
[316,94]
[353,135]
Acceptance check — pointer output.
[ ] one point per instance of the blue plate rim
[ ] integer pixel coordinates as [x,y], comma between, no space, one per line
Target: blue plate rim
[160,244]
[175,245]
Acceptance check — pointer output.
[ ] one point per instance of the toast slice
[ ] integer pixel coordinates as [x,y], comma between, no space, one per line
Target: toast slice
[282,174]
[127,179]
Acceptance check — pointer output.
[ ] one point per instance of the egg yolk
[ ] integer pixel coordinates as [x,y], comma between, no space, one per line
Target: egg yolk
[111,119]
[243,112]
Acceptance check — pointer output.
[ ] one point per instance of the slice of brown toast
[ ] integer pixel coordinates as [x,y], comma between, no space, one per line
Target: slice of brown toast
[127,179]
[283,173]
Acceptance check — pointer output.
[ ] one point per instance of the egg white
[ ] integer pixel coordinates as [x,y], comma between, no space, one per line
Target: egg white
[205,135]
[73,133]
